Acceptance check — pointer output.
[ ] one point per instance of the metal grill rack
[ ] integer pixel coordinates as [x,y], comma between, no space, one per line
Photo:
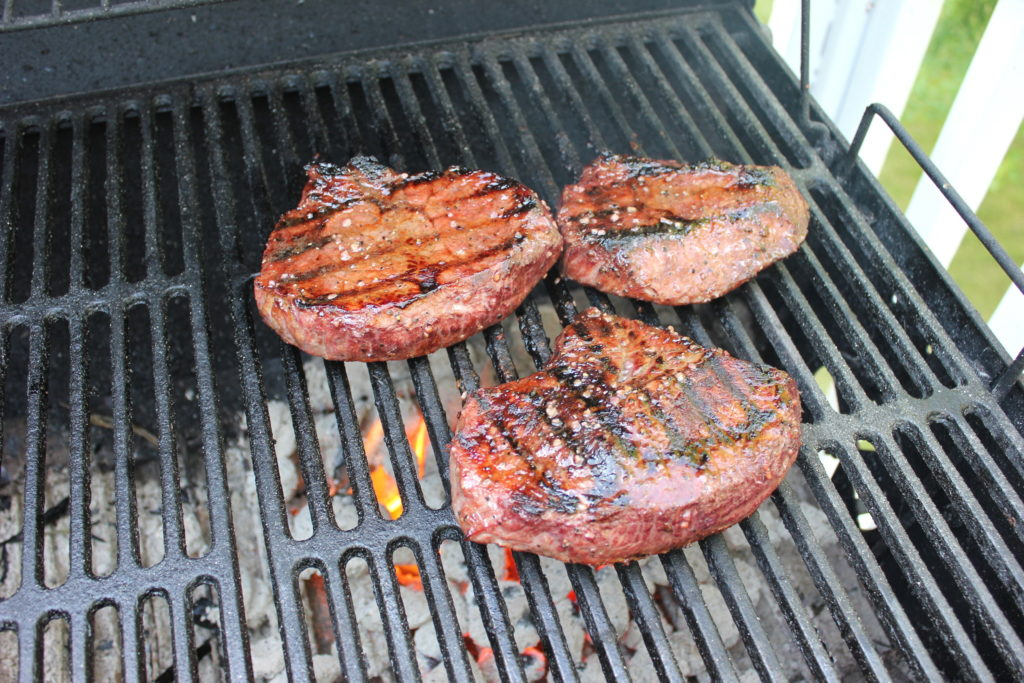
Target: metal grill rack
[165,195]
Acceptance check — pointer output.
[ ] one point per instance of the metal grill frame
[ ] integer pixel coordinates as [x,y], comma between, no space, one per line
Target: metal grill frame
[755,109]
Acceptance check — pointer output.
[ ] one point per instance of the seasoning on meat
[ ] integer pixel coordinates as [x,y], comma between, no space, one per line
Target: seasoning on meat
[631,441]
[677,234]
[374,265]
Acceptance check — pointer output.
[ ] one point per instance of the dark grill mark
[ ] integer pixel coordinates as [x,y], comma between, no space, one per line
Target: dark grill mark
[286,253]
[721,434]
[497,185]
[519,208]
[559,499]
[425,278]
[328,206]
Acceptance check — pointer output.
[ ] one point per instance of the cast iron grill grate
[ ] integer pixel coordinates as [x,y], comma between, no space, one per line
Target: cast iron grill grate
[133,223]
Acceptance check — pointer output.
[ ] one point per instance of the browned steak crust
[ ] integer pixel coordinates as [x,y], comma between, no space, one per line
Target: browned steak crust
[631,441]
[375,265]
[677,234]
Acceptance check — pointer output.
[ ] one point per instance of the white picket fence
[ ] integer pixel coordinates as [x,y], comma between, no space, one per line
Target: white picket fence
[865,51]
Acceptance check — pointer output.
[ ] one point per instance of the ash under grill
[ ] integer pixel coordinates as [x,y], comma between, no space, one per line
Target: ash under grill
[183,495]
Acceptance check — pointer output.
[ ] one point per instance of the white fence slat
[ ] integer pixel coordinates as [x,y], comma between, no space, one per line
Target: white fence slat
[1007,322]
[862,51]
[980,127]
[784,24]
[895,40]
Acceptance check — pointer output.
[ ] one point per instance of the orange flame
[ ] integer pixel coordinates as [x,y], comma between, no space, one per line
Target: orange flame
[386,488]
[384,485]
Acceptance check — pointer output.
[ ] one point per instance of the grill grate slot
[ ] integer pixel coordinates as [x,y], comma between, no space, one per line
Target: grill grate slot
[132,224]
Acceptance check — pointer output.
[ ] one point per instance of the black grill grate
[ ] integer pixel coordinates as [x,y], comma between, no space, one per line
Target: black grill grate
[132,224]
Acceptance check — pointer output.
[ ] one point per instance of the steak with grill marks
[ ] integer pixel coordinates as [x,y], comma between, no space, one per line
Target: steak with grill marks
[631,441]
[375,265]
[677,234]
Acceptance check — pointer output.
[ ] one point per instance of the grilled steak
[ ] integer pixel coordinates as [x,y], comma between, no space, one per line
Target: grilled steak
[631,441]
[677,234]
[375,265]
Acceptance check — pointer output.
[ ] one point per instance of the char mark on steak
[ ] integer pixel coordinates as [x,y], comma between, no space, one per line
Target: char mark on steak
[677,234]
[631,441]
[374,265]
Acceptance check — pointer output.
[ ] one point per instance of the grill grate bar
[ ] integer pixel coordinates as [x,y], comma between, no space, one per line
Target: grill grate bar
[642,607]
[394,436]
[222,542]
[625,75]
[352,441]
[698,618]
[485,585]
[812,552]
[319,134]
[600,628]
[884,600]
[396,628]
[173,534]
[446,625]
[79,543]
[384,127]
[183,644]
[308,449]
[35,453]
[265,472]
[346,635]
[414,114]
[793,610]
[12,141]
[830,244]
[40,264]
[759,647]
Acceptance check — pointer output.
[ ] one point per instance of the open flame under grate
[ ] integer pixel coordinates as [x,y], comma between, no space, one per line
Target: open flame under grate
[182,495]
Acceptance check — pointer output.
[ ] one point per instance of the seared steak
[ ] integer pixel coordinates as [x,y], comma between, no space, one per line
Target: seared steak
[375,265]
[631,441]
[677,234]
